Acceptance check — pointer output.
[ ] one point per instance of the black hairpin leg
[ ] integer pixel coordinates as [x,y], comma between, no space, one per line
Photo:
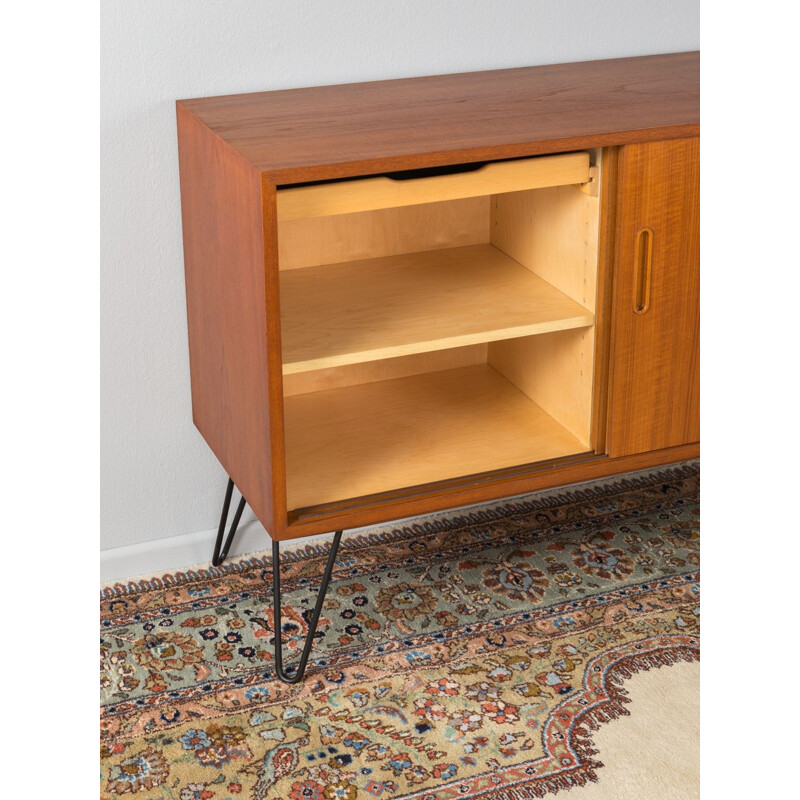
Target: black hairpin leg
[299,671]
[221,553]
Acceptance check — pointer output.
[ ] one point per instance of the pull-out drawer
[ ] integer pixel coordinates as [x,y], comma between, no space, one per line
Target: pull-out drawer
[367,194]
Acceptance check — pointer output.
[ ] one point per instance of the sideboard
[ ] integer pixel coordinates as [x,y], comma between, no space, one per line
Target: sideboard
[411,295]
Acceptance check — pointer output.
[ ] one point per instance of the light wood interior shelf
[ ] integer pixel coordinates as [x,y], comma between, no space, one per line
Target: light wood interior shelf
[374,437]
[427,342]
[344,197]
[380,308]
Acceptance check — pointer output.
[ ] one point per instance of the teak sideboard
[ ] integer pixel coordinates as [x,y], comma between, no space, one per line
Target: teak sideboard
[411,295]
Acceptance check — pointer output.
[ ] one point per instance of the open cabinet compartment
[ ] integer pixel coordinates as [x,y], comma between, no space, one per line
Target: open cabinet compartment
[437,327]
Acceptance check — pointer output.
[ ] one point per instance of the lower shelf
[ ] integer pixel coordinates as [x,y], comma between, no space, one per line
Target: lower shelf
[375,437]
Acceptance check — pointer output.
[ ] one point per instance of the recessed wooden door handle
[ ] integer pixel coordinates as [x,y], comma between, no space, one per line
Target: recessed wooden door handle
[644,267]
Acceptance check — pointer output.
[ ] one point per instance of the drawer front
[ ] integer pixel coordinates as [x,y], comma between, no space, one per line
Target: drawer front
[654,377]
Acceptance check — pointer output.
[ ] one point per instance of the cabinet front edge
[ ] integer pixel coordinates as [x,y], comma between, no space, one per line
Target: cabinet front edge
[436,497]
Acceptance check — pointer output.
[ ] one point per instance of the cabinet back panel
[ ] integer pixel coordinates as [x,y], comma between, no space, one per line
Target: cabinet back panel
[384,369]
[315,241]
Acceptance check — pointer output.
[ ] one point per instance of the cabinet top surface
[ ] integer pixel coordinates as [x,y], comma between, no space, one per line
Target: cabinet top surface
[358,128]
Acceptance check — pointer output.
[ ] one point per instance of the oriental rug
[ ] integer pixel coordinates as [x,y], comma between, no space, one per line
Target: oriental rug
[471,654]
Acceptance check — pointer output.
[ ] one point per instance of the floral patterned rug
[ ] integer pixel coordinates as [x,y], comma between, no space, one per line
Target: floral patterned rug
[467,655]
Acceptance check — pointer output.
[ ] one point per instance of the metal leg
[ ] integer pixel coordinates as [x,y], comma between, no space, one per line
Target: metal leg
[220,555]
[300,669]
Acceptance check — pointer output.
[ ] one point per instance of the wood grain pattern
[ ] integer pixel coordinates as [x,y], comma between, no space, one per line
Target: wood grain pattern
[654,370]
[226,301]
[387,435]
[381,308]
[386,232]
[367,194]
[366,128]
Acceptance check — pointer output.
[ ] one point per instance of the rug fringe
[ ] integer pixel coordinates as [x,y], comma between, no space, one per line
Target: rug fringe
[544,786]
[591,720]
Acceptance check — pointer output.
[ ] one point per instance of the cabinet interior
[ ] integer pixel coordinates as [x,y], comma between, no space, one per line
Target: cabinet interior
[432,340]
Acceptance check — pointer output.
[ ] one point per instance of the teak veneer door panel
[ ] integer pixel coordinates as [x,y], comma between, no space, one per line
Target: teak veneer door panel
[654,379]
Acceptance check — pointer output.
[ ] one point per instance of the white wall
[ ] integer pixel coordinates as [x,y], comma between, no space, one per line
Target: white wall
[159,478]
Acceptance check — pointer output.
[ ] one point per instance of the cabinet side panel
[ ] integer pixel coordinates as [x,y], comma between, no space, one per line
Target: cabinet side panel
[226,308]
[555,370]
[553,232]
[654,371]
